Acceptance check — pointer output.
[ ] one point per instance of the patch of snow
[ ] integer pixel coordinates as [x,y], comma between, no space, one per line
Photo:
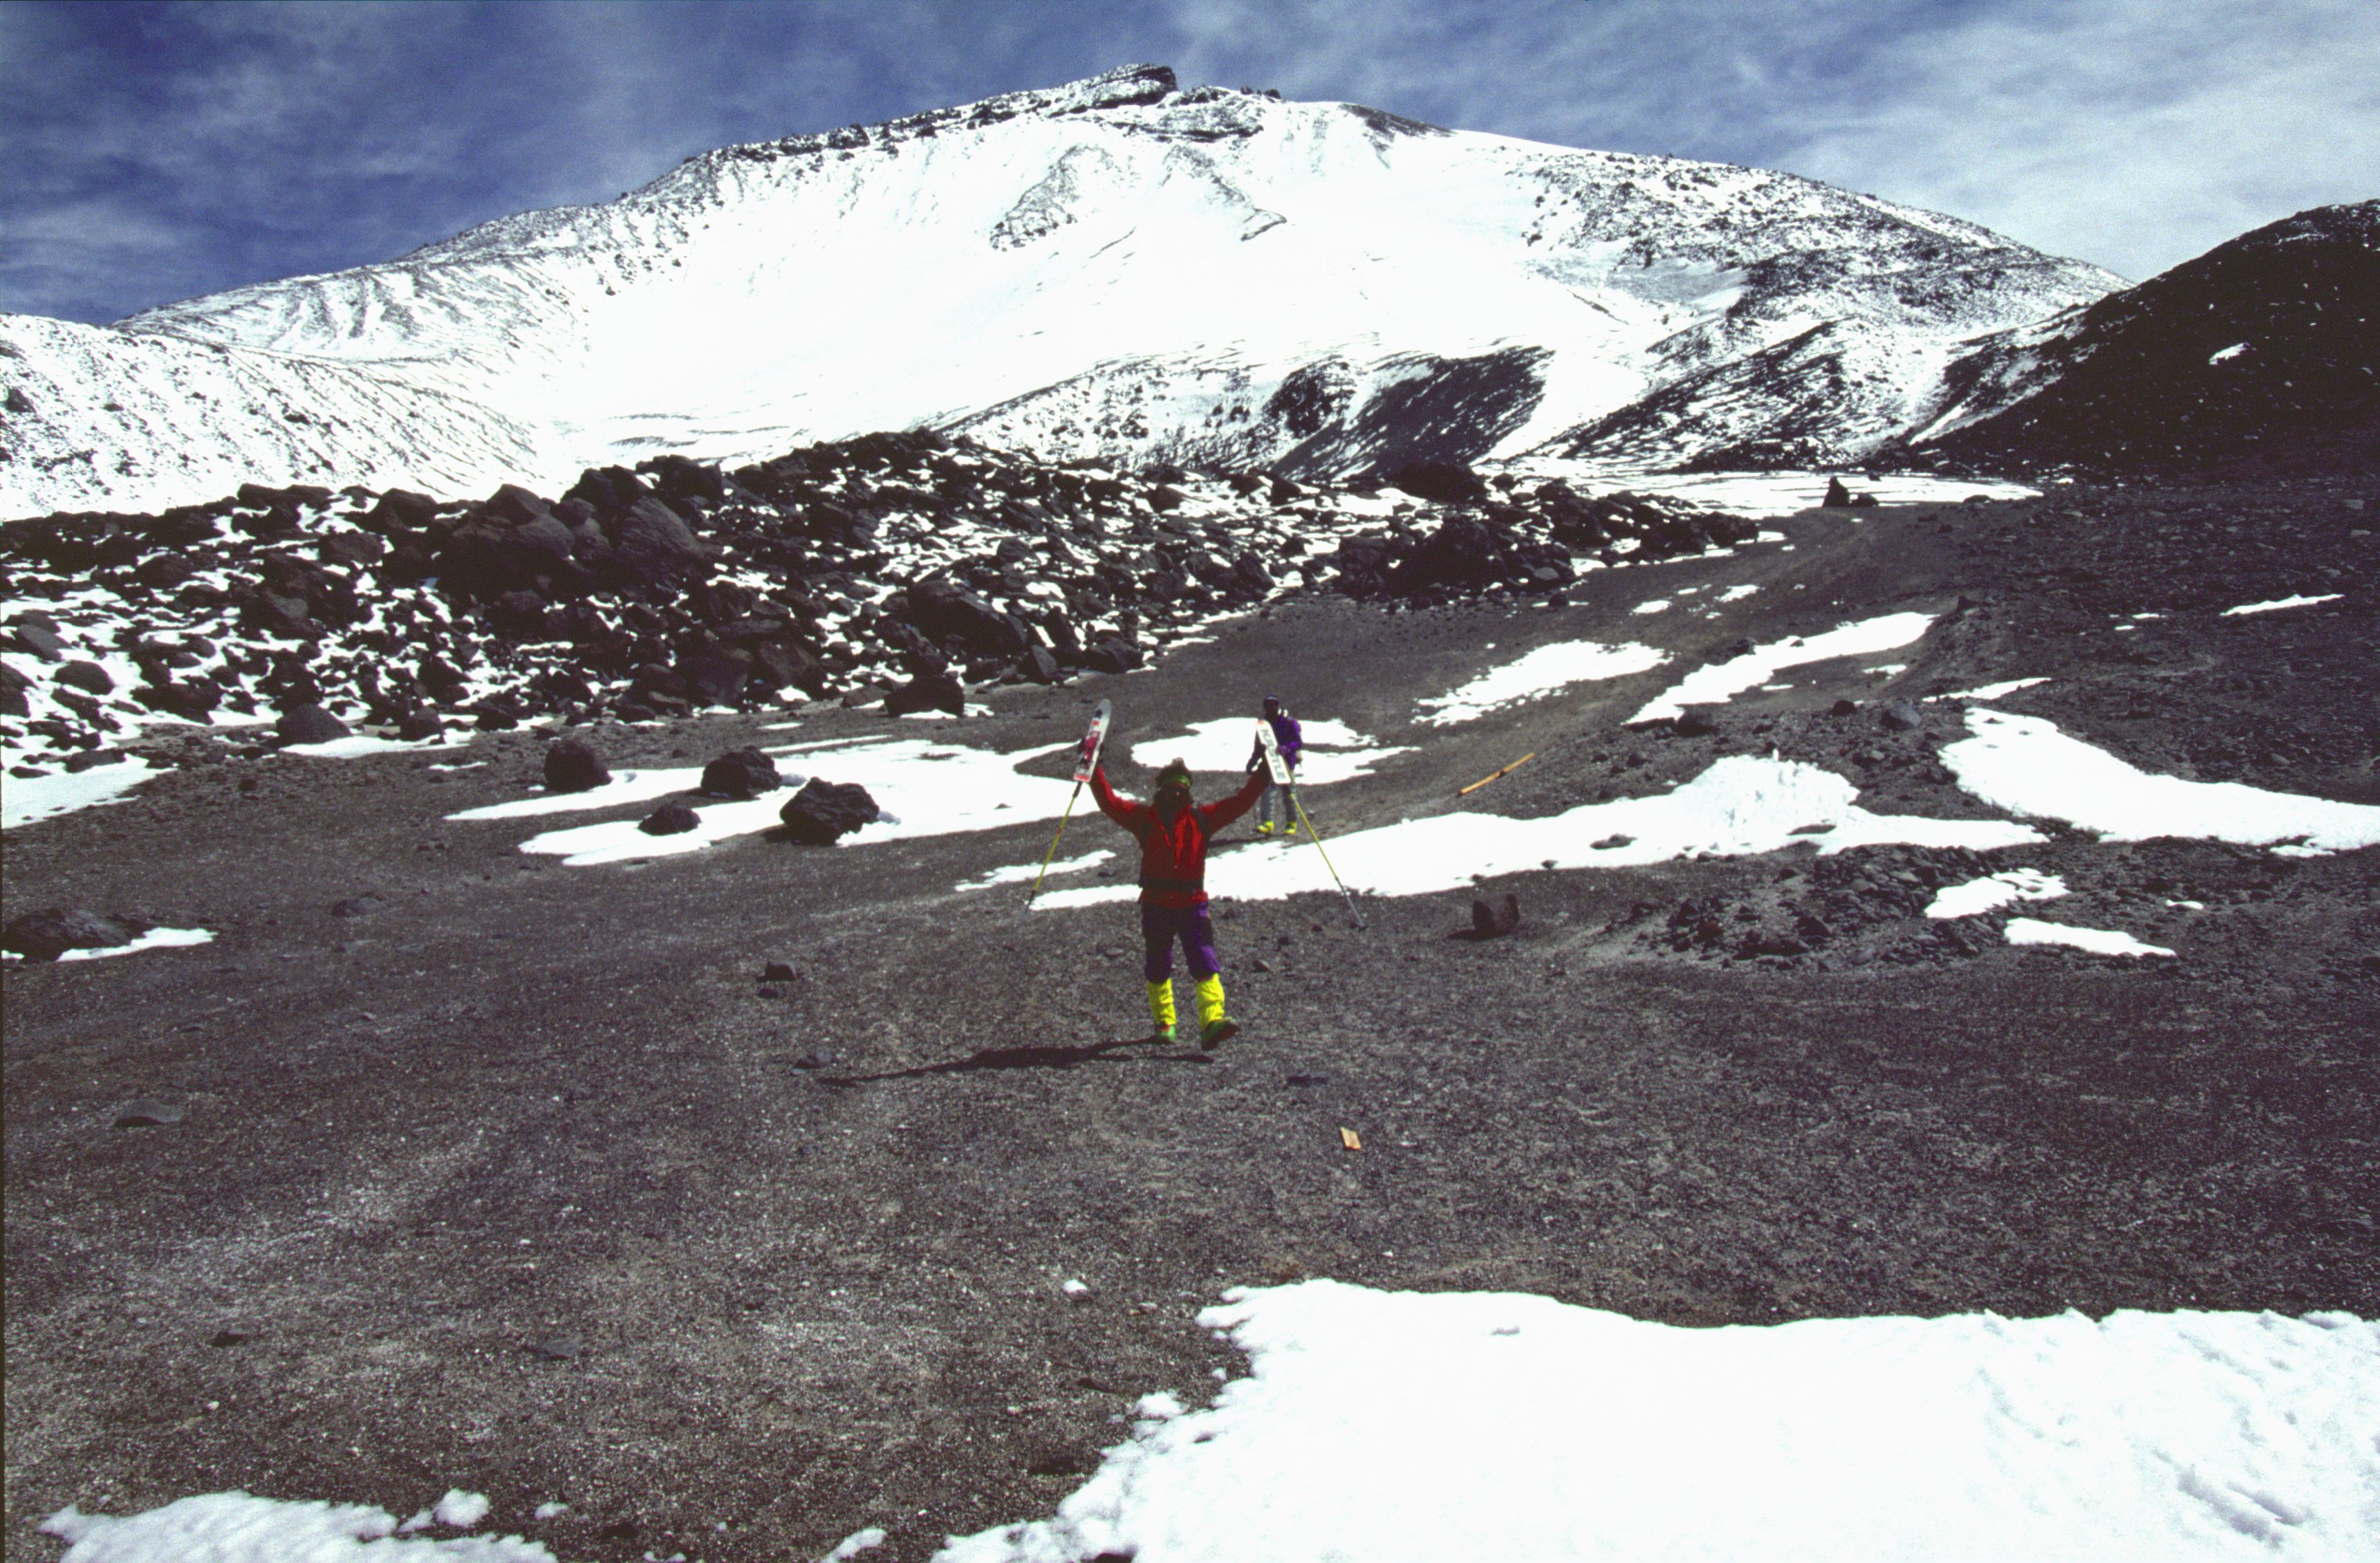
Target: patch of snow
[1887,670]
[2098,941]
[2026,765]
[626,787]
[24,800]
[1652,605]
[1737,593]
[1408,1427]
[2226,354]
[236,1527]
[1990,692]
[461,1509]
[1335,751]
[1724,680]
[550,1510]
[854,1543]
[2279,603]
[1993,891]
[923,786]
[1739,807]
[1024,873]
[356,745]
[1540,673]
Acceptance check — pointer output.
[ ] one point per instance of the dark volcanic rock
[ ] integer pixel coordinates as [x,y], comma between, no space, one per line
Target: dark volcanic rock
[940,609]
[1494,922]
[143,1113]
[741,773]
[1448,483]
[670,819]
[87,675]
[2257,356]
[927,692]
[1900,716]
[416,724]
[824,810]
[49,933]
[1837,497]
[309,724]
[654,546]
[572,766]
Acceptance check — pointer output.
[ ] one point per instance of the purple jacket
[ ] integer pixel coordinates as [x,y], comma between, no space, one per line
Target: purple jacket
[1288,735]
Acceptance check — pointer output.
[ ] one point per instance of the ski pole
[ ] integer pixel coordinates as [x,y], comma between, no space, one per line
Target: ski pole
[1054,844]
[1299,805]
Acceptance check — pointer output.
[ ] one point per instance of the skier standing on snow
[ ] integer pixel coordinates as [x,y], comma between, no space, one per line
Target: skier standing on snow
[1274,806]
[1172,836]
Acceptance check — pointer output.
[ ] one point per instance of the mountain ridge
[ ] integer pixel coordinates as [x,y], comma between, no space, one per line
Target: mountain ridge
[1119,268]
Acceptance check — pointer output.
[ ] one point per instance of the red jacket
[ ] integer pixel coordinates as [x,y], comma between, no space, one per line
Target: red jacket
[1173,853]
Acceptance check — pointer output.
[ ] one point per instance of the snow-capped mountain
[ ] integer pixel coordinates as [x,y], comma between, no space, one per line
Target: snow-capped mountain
[1119,267]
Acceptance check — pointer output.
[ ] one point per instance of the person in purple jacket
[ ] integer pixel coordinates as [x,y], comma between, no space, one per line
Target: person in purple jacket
[1273,808]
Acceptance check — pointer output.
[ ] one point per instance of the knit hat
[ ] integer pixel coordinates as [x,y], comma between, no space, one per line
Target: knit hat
[1176,773]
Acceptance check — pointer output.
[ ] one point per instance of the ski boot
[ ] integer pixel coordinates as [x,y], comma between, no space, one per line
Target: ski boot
[1215,1028]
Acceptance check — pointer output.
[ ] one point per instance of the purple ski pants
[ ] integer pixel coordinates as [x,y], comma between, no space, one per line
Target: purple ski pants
[1160,926]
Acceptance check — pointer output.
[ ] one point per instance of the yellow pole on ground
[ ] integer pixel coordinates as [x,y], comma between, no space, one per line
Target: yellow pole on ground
[1508,770]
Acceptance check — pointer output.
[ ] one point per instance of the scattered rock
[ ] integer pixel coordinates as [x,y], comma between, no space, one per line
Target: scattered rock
[1837,497]
[1843,708]
[1614,842]
[822,811]
[814,1061]
[1900,716]
[573,766]
[1695,724]
[742,773]
[87,675]
[233,1335]
[39,639]
[49,933]
[309,724]
[558,1349]
[777,971]
[927,691]
[359,905]
[416,726]
[143,1113]
[1494,922]
[1310,1077]
[670,819]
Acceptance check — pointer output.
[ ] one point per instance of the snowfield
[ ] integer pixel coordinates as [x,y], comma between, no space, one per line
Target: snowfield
[1118,268]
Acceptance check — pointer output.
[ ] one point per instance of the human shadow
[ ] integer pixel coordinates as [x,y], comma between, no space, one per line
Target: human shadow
[1042,1056]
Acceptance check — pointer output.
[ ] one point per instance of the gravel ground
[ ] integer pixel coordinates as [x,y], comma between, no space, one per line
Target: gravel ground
[795,1249]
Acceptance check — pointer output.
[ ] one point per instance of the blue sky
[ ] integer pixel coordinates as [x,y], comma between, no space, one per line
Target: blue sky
[155,153]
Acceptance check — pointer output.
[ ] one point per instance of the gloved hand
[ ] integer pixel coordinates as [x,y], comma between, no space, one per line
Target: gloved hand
[1256,759]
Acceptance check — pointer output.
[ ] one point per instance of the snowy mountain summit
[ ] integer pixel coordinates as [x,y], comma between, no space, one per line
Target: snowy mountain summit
[1120,267]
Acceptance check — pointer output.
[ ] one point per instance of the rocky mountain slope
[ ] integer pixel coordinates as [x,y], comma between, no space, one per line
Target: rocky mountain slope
[1120,268]
[2263,354]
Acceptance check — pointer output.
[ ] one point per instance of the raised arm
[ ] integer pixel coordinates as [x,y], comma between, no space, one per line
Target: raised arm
[1215,816]
[1124,810]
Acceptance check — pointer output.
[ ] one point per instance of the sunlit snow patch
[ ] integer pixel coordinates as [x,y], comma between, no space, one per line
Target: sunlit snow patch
[924,787]
[1541,672]
[1651,606]
[356,745]
[1990,692]
[1724,680]
[26,798]
[1335,751]
[2026,765]
[1741,805]
[1024,873]
[1993,891]
[2098,941]
[2279,603]
[1409,1427]
[1760,496]
[236,1527]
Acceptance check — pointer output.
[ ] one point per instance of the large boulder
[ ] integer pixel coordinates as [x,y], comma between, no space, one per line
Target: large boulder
[941,609]
[927,691]
[309,724]
[715,675]
[49,933]
[670,819]
[653,544]
[89,676]
[1445,481]
[824,810]
[741,773]
[572,766]
[1114,655]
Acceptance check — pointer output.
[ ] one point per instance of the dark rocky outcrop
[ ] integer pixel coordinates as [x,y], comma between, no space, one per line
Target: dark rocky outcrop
[571,765]
[670,819]
[49,933]
[927,691]
[309,724]
[822,811]
[741,773]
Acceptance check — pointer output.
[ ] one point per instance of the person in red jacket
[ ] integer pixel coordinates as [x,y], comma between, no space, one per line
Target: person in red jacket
[1172,834]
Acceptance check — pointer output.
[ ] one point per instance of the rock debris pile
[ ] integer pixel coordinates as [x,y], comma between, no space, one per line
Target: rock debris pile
[903,567]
